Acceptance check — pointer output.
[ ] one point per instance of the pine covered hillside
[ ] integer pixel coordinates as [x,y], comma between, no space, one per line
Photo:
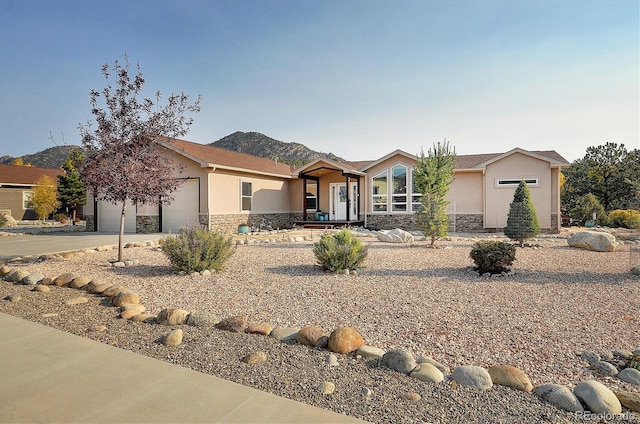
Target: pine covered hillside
[257,144]
[52,157]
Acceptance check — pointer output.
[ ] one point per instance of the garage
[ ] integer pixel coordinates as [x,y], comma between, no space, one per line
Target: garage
[184,211]
[109,217]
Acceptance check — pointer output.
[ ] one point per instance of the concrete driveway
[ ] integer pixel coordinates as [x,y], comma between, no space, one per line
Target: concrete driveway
[57,242]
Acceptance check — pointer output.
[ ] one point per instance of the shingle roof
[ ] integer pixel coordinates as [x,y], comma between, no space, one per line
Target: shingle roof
[472,161]
[29,175]
[223,157]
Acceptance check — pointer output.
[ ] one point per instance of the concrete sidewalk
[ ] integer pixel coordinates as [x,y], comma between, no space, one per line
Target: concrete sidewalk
[47,375]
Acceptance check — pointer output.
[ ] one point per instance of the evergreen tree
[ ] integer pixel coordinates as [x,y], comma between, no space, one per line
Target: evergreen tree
[45,197]
[522,221]
[71,189]
[433,175]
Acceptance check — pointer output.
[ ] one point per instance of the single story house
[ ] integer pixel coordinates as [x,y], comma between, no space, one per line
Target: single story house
[223,189]
[16,189]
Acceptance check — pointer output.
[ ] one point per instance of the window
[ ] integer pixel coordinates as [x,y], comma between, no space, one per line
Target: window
[515,181]
[312,197]
[399,195]
[416,195]
[380,192]
[247,195]
[27,200]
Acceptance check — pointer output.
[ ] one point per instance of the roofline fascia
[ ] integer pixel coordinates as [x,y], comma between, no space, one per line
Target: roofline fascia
[214,166]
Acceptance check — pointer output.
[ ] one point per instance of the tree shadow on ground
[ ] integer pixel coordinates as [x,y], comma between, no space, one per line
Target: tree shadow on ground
[143,270]
[297,270]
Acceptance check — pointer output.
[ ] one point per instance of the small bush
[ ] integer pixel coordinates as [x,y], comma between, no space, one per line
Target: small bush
[626,218]
[3,220]
[340,251]
[493,256]
[60,217]
[197,249]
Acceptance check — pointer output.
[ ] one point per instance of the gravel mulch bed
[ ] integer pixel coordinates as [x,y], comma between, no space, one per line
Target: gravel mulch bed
[560,302]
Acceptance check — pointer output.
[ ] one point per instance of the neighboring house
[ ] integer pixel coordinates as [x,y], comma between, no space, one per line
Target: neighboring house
[223,189]
[16,189]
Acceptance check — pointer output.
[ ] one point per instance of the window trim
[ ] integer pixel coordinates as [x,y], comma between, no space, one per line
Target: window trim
[243,196]
[393,193]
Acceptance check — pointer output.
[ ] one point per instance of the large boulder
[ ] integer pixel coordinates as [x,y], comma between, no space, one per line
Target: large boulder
[395,236]
[400,360]
[510,376]
[472,376]
[312,336]
[593,240]
[559,396]
[345,340]
[597,397]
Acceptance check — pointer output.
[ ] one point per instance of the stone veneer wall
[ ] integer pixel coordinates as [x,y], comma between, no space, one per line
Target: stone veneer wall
[471,223]
[554,224]
[147,224]
[88,221]
[229,223]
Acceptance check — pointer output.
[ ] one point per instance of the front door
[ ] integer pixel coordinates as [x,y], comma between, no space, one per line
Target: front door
[338,201]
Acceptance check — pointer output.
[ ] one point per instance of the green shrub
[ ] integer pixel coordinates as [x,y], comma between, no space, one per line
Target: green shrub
[626,218]
[3,220]
[493,256]
[60,217]
[340,251]
[585,207]
[522,220]
[197,249]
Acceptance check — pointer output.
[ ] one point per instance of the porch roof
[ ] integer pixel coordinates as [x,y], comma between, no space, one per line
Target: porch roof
[321,167]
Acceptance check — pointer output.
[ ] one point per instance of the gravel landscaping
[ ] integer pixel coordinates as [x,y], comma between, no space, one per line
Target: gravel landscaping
[560,302]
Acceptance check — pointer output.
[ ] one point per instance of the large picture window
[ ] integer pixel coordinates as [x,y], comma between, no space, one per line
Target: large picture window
[399,195]
[379,186]
[246,195]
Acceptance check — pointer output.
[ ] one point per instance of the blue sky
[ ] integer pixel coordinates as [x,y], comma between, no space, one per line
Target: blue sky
[355,78]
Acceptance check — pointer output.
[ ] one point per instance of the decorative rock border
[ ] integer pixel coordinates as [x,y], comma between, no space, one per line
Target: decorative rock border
[592,394]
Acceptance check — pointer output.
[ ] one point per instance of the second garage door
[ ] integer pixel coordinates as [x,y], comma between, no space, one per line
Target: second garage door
[184,210]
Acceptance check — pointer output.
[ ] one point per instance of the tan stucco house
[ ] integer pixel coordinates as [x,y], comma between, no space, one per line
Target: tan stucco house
[223,189]
[16,188]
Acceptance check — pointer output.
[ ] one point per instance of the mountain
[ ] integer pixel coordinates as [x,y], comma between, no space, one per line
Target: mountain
[257,144]
[52,157]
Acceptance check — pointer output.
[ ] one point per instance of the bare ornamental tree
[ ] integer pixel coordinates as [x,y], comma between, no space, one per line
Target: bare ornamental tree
[124,161]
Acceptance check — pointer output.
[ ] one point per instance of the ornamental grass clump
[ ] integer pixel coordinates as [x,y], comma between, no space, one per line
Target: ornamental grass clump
[341,251]
[493,256]
[197,249]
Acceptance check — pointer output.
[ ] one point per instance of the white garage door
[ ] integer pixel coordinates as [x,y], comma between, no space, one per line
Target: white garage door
[184,210]
[109,217]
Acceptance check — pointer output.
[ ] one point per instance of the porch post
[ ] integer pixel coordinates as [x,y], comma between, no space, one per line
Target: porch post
[358,199]
[304,199]
[348,204]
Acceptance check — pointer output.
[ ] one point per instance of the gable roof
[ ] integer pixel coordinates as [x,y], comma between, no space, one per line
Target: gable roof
[482,160]
[26,175]
[215,157]
[478,161]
